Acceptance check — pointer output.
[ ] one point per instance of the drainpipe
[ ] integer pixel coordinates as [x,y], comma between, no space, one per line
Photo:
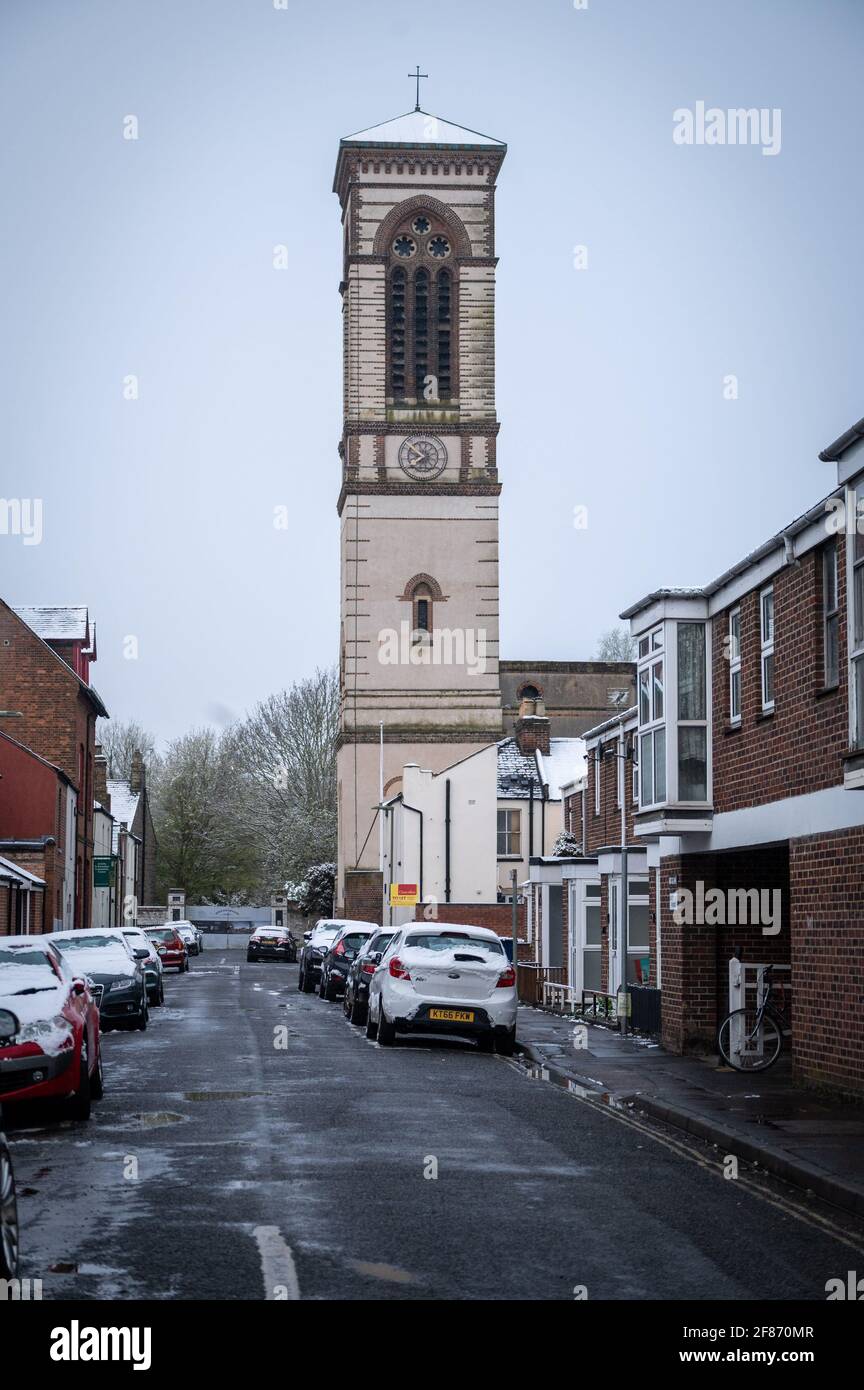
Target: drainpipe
[531,821]
[447,840]
[419,813]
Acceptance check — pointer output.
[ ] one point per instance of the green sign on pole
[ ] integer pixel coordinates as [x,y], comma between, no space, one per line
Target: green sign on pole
[103,870]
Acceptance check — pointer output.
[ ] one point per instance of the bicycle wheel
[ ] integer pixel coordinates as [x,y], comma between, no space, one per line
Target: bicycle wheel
[748,1044]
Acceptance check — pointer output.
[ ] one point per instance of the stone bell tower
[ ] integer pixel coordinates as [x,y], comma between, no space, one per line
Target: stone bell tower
[419,498]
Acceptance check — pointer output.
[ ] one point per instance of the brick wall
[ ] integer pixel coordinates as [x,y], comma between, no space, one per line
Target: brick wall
[826,875]
[498,917]
[58,722]
[363,896]
[797,748]
[604,828]
[695,958]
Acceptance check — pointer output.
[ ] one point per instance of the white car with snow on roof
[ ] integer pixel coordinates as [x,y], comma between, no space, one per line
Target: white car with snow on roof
[450,979]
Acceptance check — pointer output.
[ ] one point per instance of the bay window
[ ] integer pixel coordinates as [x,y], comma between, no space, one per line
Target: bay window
[766,628]
[856,626]
[692,714]
[734,653]
[652,727]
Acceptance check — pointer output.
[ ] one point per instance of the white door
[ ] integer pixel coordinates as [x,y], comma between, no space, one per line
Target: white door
[614,935]
[586,940]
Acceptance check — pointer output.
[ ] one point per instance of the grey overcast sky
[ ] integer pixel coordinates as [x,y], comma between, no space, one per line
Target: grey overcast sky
[155,258]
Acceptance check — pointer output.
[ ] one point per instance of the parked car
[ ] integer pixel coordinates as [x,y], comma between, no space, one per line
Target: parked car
[9,1242]
[316,945]
[118,981]
[144,950]
[191,937]
[271,943]
[49,1027]
[451,979]
[355,1000]
[344,947]
[170,947]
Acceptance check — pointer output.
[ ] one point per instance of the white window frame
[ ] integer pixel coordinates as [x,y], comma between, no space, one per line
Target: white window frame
[652,649]
[855,619]
[508,832]
[704,722]
[735,665]
[634,754]
[830,613]
[766,642]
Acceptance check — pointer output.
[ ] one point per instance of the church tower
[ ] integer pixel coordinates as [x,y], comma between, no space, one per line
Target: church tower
[418,504]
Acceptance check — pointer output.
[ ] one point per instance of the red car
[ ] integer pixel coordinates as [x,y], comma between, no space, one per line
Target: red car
[49,1028]
[170,947]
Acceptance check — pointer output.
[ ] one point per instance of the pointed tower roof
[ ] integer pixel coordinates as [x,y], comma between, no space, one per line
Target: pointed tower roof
[422,128]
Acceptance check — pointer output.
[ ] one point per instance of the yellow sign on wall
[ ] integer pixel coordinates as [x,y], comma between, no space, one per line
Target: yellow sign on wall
[404,894]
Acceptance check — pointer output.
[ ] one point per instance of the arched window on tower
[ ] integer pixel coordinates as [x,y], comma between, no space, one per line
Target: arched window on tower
[421,598]
[397,332]
[421,331]
[422,307]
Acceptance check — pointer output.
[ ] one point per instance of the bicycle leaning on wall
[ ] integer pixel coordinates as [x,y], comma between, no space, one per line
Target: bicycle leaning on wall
[751,1039]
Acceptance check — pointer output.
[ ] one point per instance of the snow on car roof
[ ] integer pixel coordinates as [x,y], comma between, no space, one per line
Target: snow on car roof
[446,928]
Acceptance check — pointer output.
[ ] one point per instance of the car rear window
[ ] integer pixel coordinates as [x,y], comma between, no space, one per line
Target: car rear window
[448,941]
[379,942]
[355,939]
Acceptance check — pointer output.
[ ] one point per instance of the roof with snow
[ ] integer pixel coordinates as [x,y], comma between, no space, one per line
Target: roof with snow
[124,804]
[519,772]
[421,128]
[66,624]
[17,874]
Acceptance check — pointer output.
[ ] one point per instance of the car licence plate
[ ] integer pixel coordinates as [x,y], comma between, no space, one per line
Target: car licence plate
[452,1015]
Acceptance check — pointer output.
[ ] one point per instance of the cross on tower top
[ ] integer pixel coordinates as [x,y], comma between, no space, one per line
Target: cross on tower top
[417,76]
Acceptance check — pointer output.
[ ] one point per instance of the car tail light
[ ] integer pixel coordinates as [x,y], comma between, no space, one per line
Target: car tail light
[507,979]
[339,948]
[397,969]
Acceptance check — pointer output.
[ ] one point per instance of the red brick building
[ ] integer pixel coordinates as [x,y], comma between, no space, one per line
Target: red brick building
[739,776]
[750,711]
[37,831]
[45,657]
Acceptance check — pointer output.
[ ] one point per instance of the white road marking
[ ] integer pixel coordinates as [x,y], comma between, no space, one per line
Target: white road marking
[277,1266]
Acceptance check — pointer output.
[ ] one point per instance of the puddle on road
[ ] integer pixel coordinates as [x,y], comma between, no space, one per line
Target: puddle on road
[535,1072]
[151,1119]
[223,1095]
[389,1273]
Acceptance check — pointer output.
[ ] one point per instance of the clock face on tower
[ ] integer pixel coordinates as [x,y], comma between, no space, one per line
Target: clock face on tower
[422,457]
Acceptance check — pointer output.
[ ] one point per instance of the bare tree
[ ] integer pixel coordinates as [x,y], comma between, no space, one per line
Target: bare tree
[206,845]
[616,645]
[286,752]
[120,740]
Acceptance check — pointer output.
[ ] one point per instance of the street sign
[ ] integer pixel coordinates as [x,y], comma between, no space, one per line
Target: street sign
[103,870]
[404,894]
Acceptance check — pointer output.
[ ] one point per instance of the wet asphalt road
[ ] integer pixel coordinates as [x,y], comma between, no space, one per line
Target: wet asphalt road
[221,1165]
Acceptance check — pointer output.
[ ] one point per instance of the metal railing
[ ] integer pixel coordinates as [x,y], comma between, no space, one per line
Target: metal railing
[531,978]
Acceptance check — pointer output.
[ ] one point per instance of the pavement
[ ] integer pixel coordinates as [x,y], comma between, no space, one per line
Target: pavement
[800,1135]
[253,1145]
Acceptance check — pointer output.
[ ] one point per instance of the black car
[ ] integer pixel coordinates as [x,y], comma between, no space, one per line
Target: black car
[271,943]
[315,948]
[355,1001]
[8,1212]
[338,960]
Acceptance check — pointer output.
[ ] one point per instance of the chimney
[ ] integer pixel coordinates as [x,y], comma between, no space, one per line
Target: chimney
[136,772]
[100,778]
[533,727]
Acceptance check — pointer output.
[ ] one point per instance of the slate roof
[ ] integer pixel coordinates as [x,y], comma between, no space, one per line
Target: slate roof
[124,804]
[519,772]
[60,624]
[420,128]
